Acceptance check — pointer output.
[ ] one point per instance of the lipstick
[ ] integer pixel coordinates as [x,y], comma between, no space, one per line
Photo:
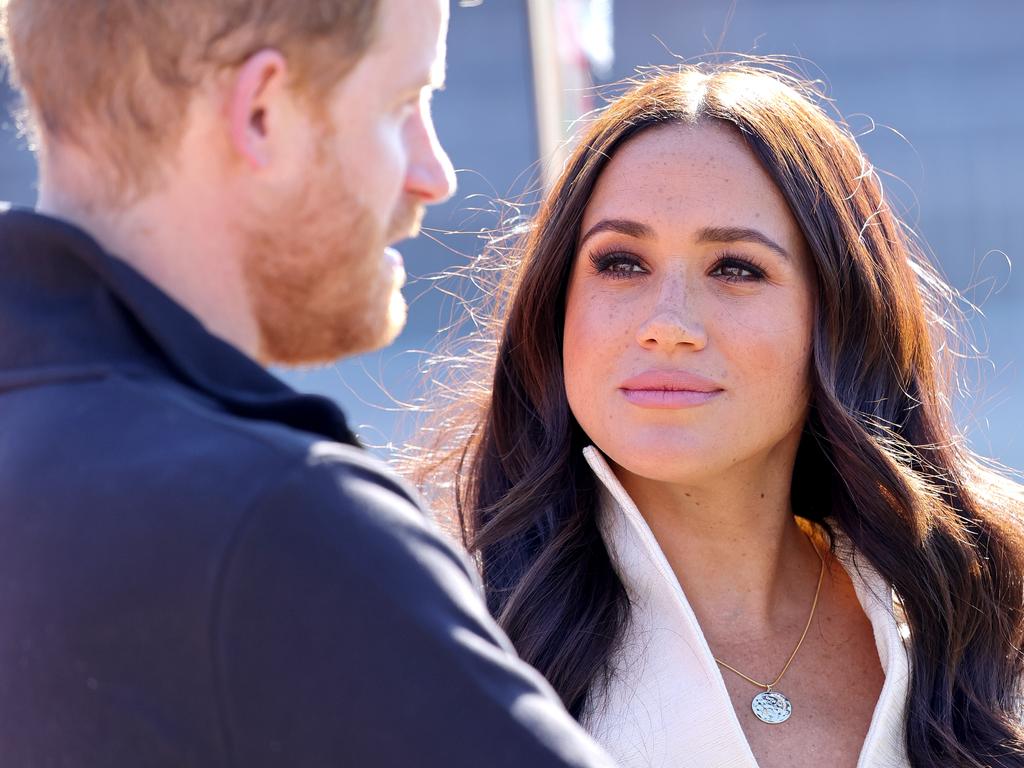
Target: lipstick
[669,389]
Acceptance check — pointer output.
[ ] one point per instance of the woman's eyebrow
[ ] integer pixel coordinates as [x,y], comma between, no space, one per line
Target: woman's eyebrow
[626,227]
[740,234]
[636,229]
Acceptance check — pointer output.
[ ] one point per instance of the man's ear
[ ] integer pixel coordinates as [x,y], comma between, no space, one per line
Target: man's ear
[254,105]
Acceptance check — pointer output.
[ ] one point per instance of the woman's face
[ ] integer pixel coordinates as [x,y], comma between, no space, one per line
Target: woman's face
[688,320]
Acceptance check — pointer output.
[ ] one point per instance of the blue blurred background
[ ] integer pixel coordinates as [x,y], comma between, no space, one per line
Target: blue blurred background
[934,86]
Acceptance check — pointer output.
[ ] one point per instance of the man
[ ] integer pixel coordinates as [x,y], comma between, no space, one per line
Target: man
[199,566]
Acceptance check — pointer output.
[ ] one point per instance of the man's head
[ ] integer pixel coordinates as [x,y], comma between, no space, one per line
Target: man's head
[299,132]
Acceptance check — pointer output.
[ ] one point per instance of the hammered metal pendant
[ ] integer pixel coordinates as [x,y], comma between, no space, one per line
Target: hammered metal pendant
[771,707]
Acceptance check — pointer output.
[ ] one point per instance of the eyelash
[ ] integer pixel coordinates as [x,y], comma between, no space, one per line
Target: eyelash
[603,261]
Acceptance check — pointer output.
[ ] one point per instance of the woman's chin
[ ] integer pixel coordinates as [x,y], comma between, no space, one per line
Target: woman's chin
[661,462]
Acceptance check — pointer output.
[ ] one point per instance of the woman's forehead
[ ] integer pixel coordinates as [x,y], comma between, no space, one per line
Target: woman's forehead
[675,175]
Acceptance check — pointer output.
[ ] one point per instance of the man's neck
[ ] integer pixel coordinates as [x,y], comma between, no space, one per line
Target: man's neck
[178,241]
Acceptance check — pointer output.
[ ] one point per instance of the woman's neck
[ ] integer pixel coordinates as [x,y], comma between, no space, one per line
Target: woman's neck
[742,559]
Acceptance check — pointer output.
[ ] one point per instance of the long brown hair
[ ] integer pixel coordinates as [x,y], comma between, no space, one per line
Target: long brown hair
[879,446]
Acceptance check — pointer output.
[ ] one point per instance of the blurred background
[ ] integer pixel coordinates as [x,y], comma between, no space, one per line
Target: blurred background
[933,88]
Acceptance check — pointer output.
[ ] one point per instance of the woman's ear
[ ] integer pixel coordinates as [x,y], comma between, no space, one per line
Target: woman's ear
[255,106]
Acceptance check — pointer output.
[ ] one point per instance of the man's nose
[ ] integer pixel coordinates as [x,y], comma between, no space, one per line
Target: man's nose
[430,176]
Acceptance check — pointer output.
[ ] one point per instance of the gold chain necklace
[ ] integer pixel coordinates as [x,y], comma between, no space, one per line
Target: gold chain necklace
[772,706]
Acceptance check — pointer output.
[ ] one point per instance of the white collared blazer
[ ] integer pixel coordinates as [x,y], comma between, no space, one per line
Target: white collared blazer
[666,705]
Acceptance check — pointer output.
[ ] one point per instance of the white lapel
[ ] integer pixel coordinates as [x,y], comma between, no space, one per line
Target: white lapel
[666,703]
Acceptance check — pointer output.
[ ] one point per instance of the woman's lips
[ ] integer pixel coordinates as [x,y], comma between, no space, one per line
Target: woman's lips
[669,389]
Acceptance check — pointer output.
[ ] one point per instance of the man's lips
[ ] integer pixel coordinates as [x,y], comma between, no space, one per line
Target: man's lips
[397,264]
[669,389]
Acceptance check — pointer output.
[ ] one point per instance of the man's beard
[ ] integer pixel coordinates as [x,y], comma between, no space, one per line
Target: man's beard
[319,283]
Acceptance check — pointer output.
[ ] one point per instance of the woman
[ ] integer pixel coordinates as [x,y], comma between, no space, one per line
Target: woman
[714,488]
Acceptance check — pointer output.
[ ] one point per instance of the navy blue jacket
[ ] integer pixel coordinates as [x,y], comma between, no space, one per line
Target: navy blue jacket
[201,567]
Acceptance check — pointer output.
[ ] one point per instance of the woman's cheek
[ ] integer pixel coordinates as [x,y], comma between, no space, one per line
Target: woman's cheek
[586,354]
[777,364]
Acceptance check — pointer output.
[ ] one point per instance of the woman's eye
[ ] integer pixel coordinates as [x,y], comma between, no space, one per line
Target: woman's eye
[735,270]
[618,265]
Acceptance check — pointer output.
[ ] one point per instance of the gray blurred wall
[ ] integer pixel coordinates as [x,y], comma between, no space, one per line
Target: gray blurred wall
[939,80]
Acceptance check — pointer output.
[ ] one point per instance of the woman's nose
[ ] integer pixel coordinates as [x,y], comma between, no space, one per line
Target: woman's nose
[674,323]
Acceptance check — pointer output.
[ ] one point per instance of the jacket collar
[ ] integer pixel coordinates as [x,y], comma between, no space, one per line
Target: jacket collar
[662,617]
[622,526]
[100,313]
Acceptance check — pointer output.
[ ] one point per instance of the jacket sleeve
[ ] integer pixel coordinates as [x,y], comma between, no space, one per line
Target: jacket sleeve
[348,633]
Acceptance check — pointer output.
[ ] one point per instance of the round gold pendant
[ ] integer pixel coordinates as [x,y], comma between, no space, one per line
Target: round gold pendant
[771,707]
